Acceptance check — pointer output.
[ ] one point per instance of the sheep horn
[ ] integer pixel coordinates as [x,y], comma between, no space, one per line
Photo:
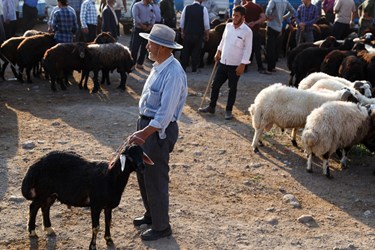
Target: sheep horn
[147,159]
[119,150]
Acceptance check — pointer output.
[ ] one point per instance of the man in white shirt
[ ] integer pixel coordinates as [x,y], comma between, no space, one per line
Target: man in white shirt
[232,55]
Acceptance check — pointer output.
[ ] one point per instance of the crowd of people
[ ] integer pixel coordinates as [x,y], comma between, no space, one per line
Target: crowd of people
[165,89]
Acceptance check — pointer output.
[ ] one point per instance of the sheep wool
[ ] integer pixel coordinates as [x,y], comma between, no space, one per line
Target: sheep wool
[109,53]
[334,125]
[287,107]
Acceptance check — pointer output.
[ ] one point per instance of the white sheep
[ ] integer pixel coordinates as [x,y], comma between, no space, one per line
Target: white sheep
[287,107]
[335,83]
[312,78]
[336,125]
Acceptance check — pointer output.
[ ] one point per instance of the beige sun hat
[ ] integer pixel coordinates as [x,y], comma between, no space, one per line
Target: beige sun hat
[162,35]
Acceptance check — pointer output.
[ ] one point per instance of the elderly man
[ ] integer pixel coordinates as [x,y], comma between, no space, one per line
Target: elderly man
[160,106]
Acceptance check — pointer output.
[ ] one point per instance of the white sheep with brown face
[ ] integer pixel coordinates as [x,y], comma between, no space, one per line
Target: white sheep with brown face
[336,125]
[288,107]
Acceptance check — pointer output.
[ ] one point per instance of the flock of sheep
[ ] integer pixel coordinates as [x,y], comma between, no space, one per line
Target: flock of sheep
[37,48]
[330,97]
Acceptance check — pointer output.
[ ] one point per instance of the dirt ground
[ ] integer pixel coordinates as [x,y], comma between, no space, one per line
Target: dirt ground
[222,195]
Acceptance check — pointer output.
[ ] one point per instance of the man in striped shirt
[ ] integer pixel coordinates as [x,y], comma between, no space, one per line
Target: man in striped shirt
[89,20]
[307,14]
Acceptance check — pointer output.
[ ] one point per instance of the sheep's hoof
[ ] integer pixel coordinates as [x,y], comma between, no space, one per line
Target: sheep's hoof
[260,143]
[329,176]
[33,234]
[309,171]
[49,231]
[95,90]
[256,150]
[109,241]
[294,143]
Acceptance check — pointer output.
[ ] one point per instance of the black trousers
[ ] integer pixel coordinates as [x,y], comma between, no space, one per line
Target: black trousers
[138,43]
[192,47]
[272,51]
[154,182]
[90,37]
[30,14]
[223,73]
[257,49]
[340,30]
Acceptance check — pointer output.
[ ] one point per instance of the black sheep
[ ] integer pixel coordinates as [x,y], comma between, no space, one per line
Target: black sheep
[31,51]
[60,60]
[8,54]
[75,181]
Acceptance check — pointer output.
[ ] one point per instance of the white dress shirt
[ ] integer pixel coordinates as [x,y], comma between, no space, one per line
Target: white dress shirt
[236,45]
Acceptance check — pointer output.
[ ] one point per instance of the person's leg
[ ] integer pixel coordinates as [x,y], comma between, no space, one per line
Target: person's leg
[186,52]
[136,44]
[196,52]
[92,32]
[257,50]
[156,177]
[309,36]
[271,48]
[232,84]
[143,52]
[220,77]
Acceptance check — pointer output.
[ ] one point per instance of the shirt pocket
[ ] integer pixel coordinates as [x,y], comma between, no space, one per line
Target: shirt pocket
[154,99]
[238,42]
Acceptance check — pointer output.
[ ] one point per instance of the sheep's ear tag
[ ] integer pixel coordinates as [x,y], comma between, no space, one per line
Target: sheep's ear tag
[147,159]
[123,161]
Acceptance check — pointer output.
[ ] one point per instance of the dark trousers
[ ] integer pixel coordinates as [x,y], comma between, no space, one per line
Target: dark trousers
[90,37]
[257,49]
[340,30]
[10,29]
[192,47]
[154,182]
[272,53]
[78,34]
[30,14]
[223,73]
[138,43]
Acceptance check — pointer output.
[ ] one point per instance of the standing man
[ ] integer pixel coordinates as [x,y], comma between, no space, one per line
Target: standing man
[307,15]
[2,31]
[30,14]
[195,26]
[76,5]
[254,18]
[168,13]
[110,22]
[160,107]
[89,20]
[275,14]
[345,12]
[233,53]
[328,10]
[144,19]
[10,18]
[213,10]
[64,22]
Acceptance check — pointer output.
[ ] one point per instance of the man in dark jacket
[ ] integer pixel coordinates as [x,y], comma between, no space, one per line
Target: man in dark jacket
[194,25]
[168,13]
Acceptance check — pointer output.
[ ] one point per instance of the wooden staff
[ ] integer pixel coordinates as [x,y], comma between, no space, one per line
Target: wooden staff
[208,85]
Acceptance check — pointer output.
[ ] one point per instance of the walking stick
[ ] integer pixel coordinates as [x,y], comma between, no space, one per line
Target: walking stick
[208,84]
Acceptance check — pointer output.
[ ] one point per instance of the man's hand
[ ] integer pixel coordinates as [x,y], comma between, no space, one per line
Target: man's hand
[240,69]
[218,56]
[137,138]
[302,26]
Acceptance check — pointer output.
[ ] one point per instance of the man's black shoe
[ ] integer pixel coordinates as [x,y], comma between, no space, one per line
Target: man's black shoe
[151,234]
[142,220]
[207,109]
